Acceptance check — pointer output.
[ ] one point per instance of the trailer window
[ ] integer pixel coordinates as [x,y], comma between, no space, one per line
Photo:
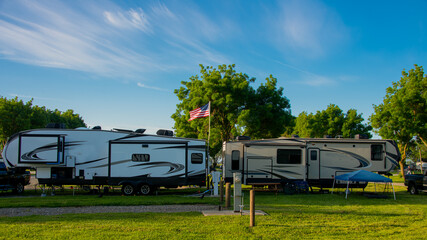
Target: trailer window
[288,156]
[197,158]
[140,157]
[313,155]
[235,157]
[377,152]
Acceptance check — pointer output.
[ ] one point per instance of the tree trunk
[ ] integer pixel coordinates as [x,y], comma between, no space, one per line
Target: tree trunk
[401,169]
[402,149]
[422,140]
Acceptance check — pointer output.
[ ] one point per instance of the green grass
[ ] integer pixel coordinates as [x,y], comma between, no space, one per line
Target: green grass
[305,216]
[397,179]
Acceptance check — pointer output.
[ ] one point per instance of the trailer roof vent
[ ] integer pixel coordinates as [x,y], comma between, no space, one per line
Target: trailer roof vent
[361,136]
[338,136]
[122,130]
[326,136]
[295,136]
[97,128]
[56,125]
[164,132]
[243,138]
[140,130]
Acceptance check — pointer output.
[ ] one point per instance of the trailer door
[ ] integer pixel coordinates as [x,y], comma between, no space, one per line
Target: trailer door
[313,163]
[233,155]
[196,166]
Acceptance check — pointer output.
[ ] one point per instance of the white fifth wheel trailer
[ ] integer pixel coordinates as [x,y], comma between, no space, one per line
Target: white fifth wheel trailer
[316,161]
[136,161]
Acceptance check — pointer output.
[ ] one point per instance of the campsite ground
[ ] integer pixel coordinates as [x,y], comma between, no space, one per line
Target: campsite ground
[307,216]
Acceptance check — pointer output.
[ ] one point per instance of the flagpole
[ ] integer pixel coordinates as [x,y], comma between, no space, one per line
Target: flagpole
[209,133]
[209,136]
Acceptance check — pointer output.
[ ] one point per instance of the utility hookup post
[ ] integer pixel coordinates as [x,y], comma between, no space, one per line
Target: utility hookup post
[237,177]
[227,195]
[252,209]
[216,176]
[221,191]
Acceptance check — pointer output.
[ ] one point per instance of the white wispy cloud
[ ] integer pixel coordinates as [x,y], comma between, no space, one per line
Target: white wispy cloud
[101,39]
[69,41]
[310,28]
[133,18]
[309,78]
[153,88]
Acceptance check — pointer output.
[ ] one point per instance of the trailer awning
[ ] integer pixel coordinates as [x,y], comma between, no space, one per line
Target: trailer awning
[363,176]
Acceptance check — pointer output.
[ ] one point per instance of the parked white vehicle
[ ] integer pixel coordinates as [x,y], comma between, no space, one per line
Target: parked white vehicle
[316,161]
[136,161]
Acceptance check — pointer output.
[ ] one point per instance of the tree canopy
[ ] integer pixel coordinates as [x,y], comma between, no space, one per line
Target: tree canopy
[236,107]
[267,112]
[332,122]
[403,114]
[16,116]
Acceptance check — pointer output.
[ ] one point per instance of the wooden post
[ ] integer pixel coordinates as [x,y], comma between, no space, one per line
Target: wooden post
[227,195]
[221,191]
[252,208]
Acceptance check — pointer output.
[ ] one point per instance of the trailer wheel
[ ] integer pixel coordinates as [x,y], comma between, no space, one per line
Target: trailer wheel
[145,189]
[412,189]
[128,189]
[19,188]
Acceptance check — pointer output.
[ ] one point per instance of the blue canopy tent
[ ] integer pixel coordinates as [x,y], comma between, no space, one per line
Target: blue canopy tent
[362,176]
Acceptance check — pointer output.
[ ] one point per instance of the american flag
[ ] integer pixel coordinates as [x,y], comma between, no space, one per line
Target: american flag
[199,112]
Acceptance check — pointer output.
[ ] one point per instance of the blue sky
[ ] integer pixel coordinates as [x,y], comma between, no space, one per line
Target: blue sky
[116,63]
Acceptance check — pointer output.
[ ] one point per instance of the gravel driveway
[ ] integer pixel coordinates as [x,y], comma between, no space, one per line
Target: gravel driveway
[16,212]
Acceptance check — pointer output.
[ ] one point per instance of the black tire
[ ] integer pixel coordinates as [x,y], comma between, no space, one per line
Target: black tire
[19,188]
[145,189]
[412,189]
[128,189]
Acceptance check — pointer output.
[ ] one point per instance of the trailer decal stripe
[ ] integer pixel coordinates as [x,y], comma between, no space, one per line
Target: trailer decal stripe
[200,147]
[173,166]
[33,154]
[114,163]
[91,161]
[393,158]
[392,161]
[362,161]
[202,172]
[289,172]
[49,147]
[339,168]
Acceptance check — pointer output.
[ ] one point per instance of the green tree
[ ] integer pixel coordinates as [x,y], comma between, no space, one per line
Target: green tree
[69,118]
[39,117]
[72,120]
[16,116]
[417,151]
[353,124]
[403,114]
[303,125]
[267,112]
[233,101]
[332,122]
